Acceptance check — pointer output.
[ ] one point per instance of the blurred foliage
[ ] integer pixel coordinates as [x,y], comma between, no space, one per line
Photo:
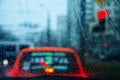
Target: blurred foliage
[6,35]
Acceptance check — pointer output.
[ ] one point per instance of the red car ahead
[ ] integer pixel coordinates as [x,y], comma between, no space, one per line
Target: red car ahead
[48,61]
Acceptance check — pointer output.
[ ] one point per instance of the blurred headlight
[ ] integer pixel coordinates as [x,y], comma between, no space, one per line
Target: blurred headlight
[5,62]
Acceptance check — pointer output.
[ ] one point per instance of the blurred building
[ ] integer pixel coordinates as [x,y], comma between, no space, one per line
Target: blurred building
[80,15]
[73,27]
[42,39]
[62,31]
[90,11]
[115,16]
[23,17]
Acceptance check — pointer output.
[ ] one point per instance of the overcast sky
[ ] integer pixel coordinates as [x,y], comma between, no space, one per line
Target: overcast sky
[38,11]
[13,13]
[55,7]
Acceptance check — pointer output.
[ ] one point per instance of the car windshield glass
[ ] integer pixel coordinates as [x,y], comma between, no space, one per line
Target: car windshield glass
[36,62]
[89,27]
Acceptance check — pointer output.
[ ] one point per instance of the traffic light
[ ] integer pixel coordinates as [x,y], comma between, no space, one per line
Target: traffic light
[101,1]
[102,15]
[100,27]
[106,45]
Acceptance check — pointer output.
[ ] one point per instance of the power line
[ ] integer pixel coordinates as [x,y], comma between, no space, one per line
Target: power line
[116,3]
[83,31]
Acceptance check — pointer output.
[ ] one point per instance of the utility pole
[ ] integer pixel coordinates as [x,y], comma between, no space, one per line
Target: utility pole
[48,29]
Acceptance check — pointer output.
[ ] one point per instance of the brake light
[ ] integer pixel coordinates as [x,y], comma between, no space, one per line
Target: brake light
[49,70]
[43,63]
[84,75]
[14,72]
[106,45]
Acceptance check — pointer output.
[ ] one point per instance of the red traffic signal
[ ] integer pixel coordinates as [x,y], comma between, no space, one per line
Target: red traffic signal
[102,14]
[106,45]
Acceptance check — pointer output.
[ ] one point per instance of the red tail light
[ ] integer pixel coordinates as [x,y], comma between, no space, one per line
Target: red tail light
[106,45]
[14,72]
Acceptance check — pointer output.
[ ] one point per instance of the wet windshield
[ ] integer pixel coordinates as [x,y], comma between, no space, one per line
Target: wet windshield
[90,27]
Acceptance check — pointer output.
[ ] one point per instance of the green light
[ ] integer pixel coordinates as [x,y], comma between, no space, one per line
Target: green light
[49,59]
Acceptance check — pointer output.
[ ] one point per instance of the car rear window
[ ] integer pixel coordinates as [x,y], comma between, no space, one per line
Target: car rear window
[36,62]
